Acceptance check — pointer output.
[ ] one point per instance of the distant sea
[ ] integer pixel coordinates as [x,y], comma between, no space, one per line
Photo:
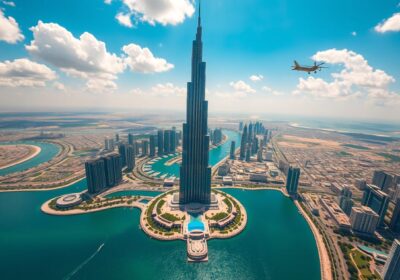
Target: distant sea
[370,128]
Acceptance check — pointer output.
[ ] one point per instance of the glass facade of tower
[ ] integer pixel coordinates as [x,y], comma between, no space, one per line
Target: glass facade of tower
[195,172]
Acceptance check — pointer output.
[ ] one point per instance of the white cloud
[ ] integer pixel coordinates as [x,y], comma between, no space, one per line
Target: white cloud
[108,2]
[354,33]
[59,86]
[124,19]
[9,3]
[271,91]
[357,79]
[256,78]
[241,87]
[9,29]
[160,11]
[97,85]
[85,57]
[390,24]
[143,61]
[161,90]
[24,72]
[88,58]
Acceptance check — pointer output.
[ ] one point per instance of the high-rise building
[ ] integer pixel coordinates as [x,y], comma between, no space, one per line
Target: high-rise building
[103,172]
[145,147]
[160,142]
[95,175]
[122,153]
[113,169]
[131,139]
[172,141]
[195,172]
[152,145]
[391,270]
[248,153]
[345,201]
[109,144]
[259,156]
[395,220]
[130,157]
[363,220]
[233,148]
[217,136]
[377,200]
[167,141]
[117,137]
[250,133]
[292,180]
[136,146]
[382,180]
[243,143]
[240,126]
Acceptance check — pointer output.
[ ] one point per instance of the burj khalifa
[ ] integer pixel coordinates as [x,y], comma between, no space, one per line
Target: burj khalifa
[195,172]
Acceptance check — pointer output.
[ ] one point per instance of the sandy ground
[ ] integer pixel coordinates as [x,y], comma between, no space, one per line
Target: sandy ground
[34,151]
[300,142]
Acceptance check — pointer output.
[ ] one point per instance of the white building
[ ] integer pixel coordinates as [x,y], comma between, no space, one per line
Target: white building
[363,220]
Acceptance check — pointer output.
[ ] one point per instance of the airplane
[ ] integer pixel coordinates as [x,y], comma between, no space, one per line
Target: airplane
[308,69]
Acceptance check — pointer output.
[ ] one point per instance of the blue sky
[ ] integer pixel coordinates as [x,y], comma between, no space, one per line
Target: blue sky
[241,39]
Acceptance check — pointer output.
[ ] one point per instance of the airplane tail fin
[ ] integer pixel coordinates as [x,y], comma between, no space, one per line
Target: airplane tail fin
[296,64]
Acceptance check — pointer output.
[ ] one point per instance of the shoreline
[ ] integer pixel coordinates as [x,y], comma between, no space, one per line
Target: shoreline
[44,189]
[36,151]
[325,263]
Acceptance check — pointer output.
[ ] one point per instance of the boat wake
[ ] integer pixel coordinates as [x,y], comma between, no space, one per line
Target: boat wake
[69,276]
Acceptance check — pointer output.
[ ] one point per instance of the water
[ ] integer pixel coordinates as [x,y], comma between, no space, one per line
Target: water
[39,246]
[48,151]
[110,245]
[215,156]
[195,223]
[370,128]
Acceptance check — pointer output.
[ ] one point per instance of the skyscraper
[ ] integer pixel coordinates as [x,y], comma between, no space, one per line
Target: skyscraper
[160,142]
[167,141]
[152,145]
[130,139]
[382,180]
[233,148]
[377,200]
[122,153]
[391,270]
[395,220]
[243,143]
[95,175]
[195,172]
[130,157]
[113,169]
[172,141]
[145,147]
[292,180]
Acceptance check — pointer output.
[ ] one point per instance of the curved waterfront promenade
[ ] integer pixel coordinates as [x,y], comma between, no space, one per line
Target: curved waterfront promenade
[47,152]
[36,151]
[49,210]
[325,263]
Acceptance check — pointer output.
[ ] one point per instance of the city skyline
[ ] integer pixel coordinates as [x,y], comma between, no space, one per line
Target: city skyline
[143,66]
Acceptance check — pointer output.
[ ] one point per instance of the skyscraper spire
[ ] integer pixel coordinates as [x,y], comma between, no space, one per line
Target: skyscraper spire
[199,16]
